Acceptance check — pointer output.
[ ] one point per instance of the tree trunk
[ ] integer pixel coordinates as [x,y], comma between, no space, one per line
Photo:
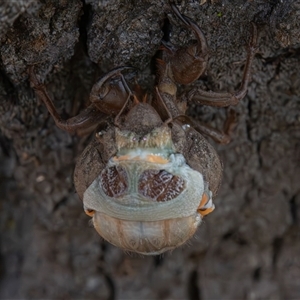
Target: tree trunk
[248,248]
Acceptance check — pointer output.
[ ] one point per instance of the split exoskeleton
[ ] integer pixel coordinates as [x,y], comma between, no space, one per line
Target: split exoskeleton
[148,176]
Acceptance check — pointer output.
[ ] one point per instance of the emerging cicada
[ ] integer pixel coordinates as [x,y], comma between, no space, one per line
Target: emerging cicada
[149,176]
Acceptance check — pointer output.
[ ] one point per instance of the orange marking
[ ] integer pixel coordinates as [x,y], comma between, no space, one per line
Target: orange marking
[203,201]
[123,157]
[206,211]
[150,158]
[156,159]
[89,212]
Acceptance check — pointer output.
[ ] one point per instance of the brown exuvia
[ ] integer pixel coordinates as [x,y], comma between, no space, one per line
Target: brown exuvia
[148,176]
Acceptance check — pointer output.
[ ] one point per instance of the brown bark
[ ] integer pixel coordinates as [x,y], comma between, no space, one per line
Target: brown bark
[248,248]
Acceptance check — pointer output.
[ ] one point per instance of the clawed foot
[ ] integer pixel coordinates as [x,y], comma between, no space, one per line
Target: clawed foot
[187,63]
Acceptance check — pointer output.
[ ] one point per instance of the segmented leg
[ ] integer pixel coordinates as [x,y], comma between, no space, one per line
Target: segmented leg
[110,92]
[225,99]
[190,24]
[187,63]
[78,124]
[222,137]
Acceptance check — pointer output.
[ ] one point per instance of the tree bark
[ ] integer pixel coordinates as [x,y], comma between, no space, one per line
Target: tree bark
[249,248]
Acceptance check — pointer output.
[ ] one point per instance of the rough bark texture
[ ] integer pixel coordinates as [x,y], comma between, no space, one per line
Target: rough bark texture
[249,248]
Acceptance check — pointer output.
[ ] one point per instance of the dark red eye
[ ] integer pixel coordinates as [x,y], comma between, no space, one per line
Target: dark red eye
[160,185]
[114,181]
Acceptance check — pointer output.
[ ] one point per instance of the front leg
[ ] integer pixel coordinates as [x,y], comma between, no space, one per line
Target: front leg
[84,122]
[220,136]
[225,99]
[187,63]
